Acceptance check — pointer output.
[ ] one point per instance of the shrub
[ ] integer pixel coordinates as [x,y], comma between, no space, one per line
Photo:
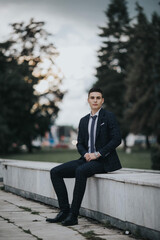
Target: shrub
[155,158]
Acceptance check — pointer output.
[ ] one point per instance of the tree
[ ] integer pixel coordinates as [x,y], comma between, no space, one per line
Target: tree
[155,118]
[113,60]
[28,60]
[143,76]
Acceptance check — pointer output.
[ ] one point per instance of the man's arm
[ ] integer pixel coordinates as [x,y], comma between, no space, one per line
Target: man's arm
[115,135]
[81,140]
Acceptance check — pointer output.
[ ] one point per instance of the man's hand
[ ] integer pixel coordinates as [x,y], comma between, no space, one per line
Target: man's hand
[90,156]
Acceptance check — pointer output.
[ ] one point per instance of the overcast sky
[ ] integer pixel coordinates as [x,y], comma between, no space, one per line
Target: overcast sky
[74,24]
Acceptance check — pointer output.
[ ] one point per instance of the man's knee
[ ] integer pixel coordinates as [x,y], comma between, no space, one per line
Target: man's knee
[81,172]
[53,173]
[86,170]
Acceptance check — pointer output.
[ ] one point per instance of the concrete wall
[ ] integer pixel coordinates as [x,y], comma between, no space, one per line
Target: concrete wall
[128,198]
[1,171]
[2,167]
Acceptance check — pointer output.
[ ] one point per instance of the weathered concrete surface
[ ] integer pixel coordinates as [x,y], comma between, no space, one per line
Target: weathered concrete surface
[22,219]
[128,198]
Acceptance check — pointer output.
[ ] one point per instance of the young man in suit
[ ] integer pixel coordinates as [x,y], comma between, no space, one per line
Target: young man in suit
[98,137]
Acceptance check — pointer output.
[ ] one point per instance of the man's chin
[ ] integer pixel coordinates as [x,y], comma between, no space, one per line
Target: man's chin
[95,108]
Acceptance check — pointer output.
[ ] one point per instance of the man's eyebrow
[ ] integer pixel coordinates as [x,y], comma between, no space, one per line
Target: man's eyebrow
[95,96]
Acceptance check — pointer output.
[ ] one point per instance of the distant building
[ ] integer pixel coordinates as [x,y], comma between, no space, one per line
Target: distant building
[61,137]
[138,140]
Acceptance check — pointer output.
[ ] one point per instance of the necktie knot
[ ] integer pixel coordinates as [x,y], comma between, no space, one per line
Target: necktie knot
[94,117]
[92,137]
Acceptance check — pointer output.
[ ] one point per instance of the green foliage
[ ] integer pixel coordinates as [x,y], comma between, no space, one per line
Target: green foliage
[90,235]
[26,209]
[143,76]
[107,224]
[27,112]
[112,59]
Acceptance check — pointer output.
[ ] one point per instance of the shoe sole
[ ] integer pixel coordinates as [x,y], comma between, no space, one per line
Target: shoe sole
[70,224]
[54,221]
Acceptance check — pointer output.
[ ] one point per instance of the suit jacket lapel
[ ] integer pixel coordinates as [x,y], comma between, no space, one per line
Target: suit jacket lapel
[86,127]
[100,120]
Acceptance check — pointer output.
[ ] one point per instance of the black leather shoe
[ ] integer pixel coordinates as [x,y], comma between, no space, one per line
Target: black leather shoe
[59,218]
[70,220]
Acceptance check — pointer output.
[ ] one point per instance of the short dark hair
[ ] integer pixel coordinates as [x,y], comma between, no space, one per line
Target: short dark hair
[94,89]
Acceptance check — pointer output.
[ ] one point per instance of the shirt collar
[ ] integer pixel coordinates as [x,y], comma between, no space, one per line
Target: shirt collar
[96,114]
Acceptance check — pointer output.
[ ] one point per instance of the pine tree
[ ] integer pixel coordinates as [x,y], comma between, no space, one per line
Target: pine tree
[112,58]
[155,117]
[143,76]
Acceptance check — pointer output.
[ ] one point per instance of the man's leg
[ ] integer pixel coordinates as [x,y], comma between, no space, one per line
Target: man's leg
[66,170]
[84,171]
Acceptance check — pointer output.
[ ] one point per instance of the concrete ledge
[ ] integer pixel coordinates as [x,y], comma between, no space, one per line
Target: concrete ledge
[128,199]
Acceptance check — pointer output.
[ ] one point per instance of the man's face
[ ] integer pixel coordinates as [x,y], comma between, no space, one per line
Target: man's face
[95,101]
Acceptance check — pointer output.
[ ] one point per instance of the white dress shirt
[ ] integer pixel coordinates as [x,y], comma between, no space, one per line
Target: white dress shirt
[95,128]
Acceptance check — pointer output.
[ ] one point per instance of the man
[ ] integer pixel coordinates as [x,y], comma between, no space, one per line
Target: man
[98,137]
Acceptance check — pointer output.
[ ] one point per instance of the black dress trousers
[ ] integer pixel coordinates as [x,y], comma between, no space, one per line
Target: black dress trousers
[80,170]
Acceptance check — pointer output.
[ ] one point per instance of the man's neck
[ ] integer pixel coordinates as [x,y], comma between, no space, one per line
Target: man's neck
[93,112]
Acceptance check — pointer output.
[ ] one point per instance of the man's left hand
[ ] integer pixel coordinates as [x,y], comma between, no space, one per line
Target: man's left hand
[90,157]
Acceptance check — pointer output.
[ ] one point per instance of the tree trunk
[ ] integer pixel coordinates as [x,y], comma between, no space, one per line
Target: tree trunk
[148,145]
[158,139]
[29,145]
[125,144]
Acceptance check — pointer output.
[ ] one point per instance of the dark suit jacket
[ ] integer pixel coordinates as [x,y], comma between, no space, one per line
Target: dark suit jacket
[108,137]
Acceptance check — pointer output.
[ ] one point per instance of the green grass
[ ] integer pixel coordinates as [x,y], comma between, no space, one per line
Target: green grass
[46,155]
[136,159]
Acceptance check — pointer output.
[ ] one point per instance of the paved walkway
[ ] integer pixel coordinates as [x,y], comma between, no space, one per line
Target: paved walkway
[22,219]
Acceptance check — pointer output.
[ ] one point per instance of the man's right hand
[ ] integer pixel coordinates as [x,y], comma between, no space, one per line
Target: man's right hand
[89,157]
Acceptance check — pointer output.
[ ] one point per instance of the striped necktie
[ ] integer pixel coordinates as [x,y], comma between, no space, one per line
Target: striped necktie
[92,133]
